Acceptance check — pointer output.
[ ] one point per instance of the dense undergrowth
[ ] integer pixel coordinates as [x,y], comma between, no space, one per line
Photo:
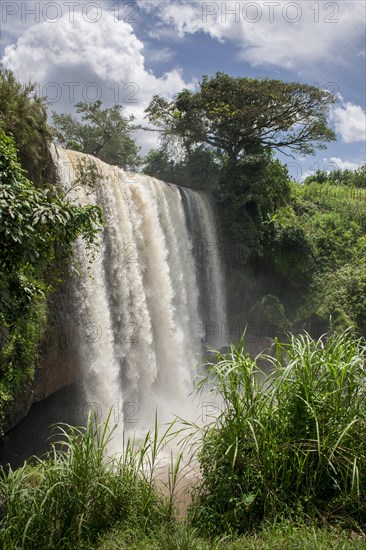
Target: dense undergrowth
[284,461]
[333,218]
[314,265]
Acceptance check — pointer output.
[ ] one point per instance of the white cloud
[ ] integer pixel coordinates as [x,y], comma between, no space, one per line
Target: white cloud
[341,164]
[350,122]
[285,34]
[78,60]
[162,55]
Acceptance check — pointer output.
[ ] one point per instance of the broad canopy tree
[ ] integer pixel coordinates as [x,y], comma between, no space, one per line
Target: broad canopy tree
[241,121]
[239,116]
[104,133]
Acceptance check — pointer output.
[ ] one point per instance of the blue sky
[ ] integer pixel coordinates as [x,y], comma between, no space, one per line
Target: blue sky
[128,51]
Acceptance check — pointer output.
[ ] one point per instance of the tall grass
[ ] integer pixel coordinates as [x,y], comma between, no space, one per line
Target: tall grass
[287,446]
[77,493]
[291,444]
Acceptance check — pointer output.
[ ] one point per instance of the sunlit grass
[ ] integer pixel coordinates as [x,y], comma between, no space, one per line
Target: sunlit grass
[78,492]
[290,446]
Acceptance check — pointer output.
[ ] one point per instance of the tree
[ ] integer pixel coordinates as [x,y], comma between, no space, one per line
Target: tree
[249,195]
[239,116]
[350,178]
[243,121]
[104,133]
[24,115]
[198,169]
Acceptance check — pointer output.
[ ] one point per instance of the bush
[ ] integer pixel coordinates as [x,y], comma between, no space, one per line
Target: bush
[341,295]
[316,248]
[293,255]
[290,445]
[270,315]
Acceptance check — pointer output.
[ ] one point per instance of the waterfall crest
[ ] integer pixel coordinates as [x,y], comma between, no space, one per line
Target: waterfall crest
[155,285]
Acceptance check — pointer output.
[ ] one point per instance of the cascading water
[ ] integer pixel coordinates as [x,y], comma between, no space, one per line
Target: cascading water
[156,284]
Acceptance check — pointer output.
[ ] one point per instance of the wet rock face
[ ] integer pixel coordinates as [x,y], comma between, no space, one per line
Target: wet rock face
[55,373]
[19,407]
[58,360]
[58,366]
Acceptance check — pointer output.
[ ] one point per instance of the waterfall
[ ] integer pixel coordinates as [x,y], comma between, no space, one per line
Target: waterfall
[143,305]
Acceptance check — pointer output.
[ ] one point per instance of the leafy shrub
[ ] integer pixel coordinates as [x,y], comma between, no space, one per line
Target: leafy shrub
[293,255]
[341,295]
[270,315]
[37,230]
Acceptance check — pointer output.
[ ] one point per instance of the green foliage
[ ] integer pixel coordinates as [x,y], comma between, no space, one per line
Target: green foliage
[23,316]
[32,220]
[87,175]
[296,234]
[23,115]
[269,314]
[336,212]
[248,197]
[104,133]
[350,178]
[316,245]
[289,445]
[282,536]
[241,121]
[69,499]
[237,115]
[293,255]
[341,295]
[37,230]
[158,164]
[199,169]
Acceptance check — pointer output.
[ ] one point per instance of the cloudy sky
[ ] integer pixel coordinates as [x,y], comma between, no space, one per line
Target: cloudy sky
[124,52]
